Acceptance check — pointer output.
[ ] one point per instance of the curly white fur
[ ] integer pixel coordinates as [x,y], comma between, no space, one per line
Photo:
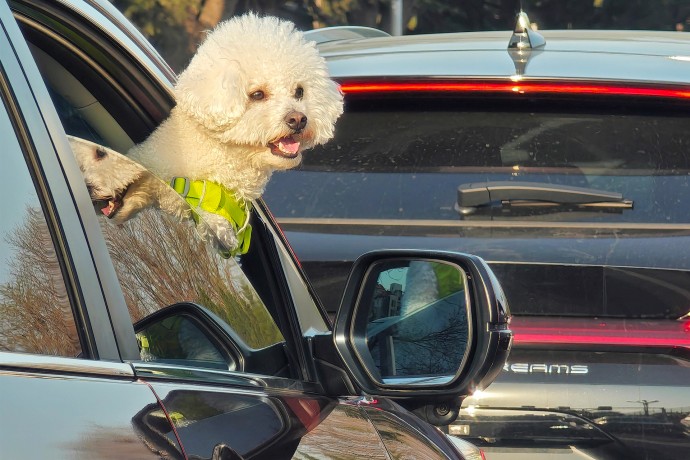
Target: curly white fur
[218,132]
[255,95]
[121,187]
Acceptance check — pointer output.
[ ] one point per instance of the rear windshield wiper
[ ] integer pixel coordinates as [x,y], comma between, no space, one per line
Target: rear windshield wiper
[474,196]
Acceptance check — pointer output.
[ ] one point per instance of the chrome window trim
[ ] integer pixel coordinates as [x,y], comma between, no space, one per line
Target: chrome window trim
[54,364]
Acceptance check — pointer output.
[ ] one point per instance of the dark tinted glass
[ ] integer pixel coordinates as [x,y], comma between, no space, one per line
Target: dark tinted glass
[392,175]
[401,161]
[35,311]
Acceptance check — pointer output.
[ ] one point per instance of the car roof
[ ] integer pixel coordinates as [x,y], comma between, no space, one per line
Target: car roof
[640,56]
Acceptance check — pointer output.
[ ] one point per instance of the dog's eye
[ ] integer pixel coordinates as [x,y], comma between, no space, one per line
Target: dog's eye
[257,95]
[299,93]
[100,154]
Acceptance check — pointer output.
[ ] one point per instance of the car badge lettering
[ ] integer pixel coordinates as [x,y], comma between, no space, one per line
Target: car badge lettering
[546,368]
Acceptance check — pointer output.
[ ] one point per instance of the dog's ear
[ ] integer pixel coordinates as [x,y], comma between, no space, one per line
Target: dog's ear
[327,99]
[212,92]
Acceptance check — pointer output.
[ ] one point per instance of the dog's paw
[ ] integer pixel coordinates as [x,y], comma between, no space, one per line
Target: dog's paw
[217,230]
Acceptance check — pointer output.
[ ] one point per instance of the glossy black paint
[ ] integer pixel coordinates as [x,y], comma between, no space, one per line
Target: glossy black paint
[249,423]
[635,401]
[386,415]
[632,264]
[73,420]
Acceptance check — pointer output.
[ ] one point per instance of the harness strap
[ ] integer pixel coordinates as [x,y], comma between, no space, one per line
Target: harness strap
[216,199]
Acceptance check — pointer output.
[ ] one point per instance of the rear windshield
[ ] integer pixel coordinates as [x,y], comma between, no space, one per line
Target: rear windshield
[604,230]
[407,161]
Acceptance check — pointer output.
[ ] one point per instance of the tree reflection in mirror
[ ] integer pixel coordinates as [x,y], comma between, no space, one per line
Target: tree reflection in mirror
[417,330]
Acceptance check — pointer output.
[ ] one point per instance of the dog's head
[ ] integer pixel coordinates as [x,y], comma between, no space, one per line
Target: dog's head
[256,82]
[107,173]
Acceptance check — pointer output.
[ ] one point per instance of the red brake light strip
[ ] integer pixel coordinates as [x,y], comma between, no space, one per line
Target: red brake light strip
[525,87]
[638,333]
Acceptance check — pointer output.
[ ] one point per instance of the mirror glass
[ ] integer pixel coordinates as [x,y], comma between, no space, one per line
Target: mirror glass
[180,340]
[417,328]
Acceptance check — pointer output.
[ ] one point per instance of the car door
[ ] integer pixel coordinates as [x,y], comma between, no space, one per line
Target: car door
[239,358]
[65,386]
[139,300]
[65,393]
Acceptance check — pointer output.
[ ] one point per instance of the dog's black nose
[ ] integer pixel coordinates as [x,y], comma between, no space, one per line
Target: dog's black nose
[296,121]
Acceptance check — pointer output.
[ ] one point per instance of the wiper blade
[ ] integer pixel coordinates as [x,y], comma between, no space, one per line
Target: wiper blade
[473,196]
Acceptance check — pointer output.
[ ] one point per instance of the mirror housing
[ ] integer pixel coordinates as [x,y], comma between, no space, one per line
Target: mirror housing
[463,357]
[187,334]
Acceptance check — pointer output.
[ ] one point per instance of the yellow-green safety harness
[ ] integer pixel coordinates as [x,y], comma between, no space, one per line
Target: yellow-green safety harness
[216,199]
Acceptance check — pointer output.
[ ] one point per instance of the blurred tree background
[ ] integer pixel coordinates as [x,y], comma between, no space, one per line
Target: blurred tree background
[176,27]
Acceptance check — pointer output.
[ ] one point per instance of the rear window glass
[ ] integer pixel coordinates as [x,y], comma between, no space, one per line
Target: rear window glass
[390,178]
[400,161]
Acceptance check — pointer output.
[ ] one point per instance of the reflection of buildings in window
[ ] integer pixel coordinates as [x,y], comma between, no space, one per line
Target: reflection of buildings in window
[386,302]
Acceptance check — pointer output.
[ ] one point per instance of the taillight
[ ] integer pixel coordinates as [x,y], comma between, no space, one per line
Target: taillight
[522,87]
[592,331]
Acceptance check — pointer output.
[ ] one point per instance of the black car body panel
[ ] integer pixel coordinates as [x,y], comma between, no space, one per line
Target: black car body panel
[60,431]
[633,287]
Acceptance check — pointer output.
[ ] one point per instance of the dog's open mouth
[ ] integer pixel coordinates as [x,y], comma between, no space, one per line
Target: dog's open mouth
[108,205]
[286,147]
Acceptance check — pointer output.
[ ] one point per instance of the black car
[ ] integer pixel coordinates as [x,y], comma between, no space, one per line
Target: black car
[563,159]
[141,341]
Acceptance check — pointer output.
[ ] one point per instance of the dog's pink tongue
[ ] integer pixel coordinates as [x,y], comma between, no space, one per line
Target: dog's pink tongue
[107,210]
[288,145]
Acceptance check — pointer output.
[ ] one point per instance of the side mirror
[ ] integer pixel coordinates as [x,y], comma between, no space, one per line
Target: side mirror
[187,334]
[421,325]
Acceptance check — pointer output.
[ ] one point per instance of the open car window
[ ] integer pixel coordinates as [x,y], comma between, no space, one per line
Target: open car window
[161,258]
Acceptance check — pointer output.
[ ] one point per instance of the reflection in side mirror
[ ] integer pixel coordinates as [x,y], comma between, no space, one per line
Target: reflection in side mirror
[417,328]
[179,339]
[187,334]
[426,327]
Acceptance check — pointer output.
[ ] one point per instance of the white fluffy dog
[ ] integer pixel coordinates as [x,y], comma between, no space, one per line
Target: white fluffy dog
[253,98]
[119,187]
